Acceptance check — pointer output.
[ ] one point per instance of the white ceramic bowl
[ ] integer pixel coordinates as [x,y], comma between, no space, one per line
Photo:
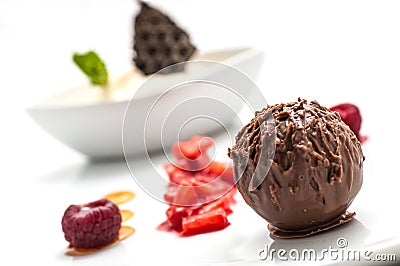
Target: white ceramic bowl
[91,121]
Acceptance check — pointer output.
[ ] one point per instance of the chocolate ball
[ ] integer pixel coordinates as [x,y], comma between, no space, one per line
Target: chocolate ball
[299,166]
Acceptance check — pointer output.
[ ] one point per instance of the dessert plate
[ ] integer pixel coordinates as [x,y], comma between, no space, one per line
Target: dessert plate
[90,120]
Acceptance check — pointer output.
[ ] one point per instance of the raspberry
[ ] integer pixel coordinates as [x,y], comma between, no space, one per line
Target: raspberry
[350,114]
[159,42]
[91,225]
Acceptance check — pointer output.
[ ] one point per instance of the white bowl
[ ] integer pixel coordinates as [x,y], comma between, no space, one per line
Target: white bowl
[91,121]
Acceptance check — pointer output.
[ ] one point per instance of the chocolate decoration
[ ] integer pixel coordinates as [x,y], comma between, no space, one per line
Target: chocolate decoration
[314,175]
[159,42]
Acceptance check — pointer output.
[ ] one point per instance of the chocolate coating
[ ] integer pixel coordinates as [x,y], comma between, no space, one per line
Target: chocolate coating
[159,42]
[314,175]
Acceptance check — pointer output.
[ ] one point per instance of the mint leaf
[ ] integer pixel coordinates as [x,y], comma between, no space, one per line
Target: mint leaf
[94,68]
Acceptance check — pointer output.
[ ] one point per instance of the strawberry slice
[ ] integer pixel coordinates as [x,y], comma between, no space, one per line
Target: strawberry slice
[201,190]
[210,221]
[175,216]
[175,174]
[225,171]
[229,197]
[220,203]
[211,191]
[186,196]
[171,170]
[192,155]
[193,148]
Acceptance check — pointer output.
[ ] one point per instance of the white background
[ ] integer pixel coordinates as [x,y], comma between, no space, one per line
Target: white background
[331,51]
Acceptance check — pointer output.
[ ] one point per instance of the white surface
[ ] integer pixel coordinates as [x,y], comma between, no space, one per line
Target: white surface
[333,51]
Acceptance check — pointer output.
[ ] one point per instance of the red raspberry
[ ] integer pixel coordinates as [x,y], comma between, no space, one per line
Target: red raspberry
[350,114]
[91,225]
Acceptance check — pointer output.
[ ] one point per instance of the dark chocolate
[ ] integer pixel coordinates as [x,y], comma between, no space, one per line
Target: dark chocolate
[159,42]
[313,176]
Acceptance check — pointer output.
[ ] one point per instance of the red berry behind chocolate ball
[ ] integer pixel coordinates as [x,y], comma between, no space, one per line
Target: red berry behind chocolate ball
[350,114]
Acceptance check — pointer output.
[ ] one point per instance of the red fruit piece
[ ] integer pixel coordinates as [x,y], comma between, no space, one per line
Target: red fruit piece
[350,114]
[172,170]
[222,170]
[196,190]
[192,155]
[201,190]
[229,197]
[175,216]
[192,148]
[91,225]
[220,203]
[210,221]
[186,196]
[212,191]
[182,192]
[176,175]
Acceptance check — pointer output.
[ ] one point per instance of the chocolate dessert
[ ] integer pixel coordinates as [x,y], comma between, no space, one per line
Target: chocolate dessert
[159,42]
[299,166]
